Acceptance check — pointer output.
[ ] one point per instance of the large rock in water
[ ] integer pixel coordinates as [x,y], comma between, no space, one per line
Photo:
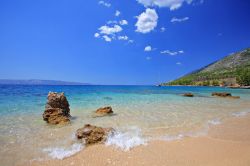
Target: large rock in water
[221,94]
[225,94]
[57,109]
[93,134]
[103,112]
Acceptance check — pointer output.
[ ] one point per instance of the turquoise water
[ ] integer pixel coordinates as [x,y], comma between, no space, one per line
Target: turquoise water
[142,113]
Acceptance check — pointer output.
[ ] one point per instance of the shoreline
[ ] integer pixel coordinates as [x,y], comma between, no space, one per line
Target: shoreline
[225,144]
[230,87]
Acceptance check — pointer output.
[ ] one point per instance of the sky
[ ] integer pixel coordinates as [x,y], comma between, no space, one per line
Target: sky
[110,42]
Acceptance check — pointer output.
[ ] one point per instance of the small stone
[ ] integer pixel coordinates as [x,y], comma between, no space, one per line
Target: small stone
[104,111]
[188,95]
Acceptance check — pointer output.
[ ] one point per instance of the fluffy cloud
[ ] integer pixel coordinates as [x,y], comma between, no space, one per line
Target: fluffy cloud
[109,30]
[148,58]
[107,38]
[97,35]
[172,53]
[148,49]
[174,19]
[104,3]
[117,13]
[172,4]
[123,22]
[146,21]
[178,63]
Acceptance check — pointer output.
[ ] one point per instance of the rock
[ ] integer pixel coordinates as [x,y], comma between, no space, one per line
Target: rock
[57,109]
[93,134]
[104,111]
[188,95]
[225,94]
[221,94]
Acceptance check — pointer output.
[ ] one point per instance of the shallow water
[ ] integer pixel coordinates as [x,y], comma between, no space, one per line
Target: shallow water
[142,113]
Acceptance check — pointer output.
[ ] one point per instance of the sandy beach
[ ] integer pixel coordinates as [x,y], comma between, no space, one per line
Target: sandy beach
[227,144]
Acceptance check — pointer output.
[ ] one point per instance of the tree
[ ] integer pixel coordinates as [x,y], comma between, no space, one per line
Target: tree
[244,77]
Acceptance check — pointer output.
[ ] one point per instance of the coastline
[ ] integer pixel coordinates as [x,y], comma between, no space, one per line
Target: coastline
[224,145]
[230,87]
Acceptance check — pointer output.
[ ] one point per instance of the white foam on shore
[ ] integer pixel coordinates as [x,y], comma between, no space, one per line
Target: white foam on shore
[172,137]
[126,140]
[214,122]
[61,153]
[241,114]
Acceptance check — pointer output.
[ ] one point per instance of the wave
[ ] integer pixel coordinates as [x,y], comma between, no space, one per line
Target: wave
[61,153]
[126,140]
[241,114]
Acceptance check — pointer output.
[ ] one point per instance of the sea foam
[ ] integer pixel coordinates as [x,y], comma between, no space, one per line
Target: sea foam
[61,153]
[240,114]
[172,137]
[214,122]
[126,140]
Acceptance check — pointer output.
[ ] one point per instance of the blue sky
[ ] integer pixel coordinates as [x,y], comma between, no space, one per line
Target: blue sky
[118,42]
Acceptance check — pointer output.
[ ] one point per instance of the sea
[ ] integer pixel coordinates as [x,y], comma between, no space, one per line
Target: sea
[141,114]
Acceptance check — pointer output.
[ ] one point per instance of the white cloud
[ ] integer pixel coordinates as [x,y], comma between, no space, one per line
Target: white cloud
[174,19]
[147,21]
[131,41]
[112,22]
[163,29]
[148,49]
[117,13]
[123,37]
[109,30]
[171,4]
[107,38]
[123,22]
[104,3]
[178,63]
[97,35]
[172,53]
[148,58]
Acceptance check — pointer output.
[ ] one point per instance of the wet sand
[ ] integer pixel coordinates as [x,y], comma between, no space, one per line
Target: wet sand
[227,144]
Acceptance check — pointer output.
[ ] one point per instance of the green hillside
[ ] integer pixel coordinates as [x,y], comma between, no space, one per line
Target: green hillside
[233,70]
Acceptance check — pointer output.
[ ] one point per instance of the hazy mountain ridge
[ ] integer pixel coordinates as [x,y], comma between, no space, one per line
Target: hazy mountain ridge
[38,82]
[232,70]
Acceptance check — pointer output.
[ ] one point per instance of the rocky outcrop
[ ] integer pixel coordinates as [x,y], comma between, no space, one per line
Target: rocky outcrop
[188,95]
[221,94]
[104,111]
[225,94]
[57,109]
[92,134]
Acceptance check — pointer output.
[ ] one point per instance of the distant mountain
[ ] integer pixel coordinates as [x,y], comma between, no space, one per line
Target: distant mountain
[233,70]
[38,82]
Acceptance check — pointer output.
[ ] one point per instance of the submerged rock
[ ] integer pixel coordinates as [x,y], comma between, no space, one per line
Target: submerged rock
[104,111]
[93,134]
[57,109]
[188,95]
[107,98]
[225,94]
